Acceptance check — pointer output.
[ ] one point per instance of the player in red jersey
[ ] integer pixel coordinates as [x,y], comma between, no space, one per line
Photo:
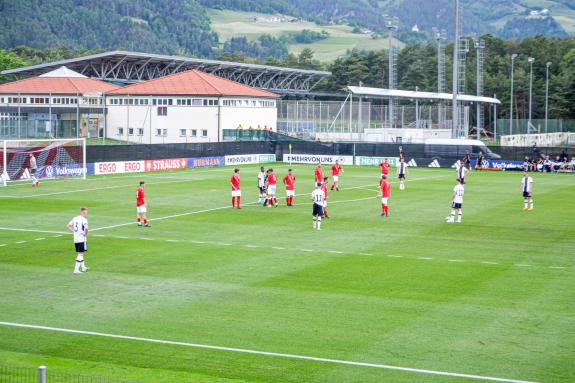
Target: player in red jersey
[318,174]
[384,166]
[385,188]
[335,170]
[272,185]
[324,183]
[236,192]
[289,181]
[141,206]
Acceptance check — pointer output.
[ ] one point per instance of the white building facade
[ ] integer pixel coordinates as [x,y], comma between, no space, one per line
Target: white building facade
[176,119]
[190,106]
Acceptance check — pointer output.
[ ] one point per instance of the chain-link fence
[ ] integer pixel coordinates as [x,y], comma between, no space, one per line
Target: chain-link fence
[354,116]
[10,374]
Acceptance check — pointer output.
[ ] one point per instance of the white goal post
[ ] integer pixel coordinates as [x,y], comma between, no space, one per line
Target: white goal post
[54,158]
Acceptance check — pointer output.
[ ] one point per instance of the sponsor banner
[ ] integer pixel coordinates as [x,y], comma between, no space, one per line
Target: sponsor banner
[501,164]
[242,159]
[206,162]
[266,158]
[118,167]
[374,161]
[166,164]
[245,159]
[64,170]
[315,158]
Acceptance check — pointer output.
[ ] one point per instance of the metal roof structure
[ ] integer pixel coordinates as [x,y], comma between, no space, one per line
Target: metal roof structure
[123,67]
[412,95]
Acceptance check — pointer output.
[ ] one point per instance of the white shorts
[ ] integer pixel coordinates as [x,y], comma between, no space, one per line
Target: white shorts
[236,193]
[384,200]
[271,189]
[290,193]
[141,209]
[335,178]
[324,204]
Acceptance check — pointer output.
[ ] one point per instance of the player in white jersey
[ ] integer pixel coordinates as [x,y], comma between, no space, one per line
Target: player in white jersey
[79,227]
[401,173]
[33,169]
[262,185]
[461,172]
[318,197]
[527,189]
[457,202]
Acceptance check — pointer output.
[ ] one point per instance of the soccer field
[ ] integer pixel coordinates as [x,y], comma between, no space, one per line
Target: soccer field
[211,294]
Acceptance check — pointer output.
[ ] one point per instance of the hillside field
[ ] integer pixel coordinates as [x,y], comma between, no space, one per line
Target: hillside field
[211,294]
[230,24]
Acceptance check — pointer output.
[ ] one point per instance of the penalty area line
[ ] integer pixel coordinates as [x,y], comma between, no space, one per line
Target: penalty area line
[267,353]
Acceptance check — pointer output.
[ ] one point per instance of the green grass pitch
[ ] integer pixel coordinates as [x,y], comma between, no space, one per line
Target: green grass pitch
[491,297]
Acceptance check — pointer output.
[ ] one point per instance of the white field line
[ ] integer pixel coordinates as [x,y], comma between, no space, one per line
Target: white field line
[93,189]
[267,353]
[35,231]
[260,247]
[156,174]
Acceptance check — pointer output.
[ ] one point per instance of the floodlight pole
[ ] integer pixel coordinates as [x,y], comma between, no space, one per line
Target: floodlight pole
[547,94]
[513,57]
[530,60]
[455,117]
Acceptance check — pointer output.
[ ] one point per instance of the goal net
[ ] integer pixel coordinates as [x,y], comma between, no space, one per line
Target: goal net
[54,159]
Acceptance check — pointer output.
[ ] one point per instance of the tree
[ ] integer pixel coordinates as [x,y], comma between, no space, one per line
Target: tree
[9,60]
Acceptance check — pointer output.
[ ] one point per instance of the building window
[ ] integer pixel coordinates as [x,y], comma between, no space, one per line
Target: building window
[130,131]
[158,132]
[197,102]
[162,111]
[182,132]
[193,132]
[140,132]
[120,131]
[165,132]
[204,133]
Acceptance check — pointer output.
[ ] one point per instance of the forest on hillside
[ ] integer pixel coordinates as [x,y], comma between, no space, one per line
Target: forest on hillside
[417,67]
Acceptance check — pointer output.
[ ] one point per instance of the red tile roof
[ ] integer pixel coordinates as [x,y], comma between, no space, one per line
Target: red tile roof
[56,85]
[192,82]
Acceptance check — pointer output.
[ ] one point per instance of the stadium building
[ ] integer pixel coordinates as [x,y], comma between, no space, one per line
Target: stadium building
[60,103]
[190,106]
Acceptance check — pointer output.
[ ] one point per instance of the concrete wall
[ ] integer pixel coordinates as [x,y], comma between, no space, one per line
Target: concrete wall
[415,136]
[543,139]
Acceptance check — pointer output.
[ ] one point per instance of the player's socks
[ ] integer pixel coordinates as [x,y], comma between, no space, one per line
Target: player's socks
[332,187]
[79,262]
[525,204]
[452,219]
[314,222]
[239,202]
[459,217]
[139,221]
[386,210]
[146,221]
[531,206]
[337,188]
[319,223]
[233,202]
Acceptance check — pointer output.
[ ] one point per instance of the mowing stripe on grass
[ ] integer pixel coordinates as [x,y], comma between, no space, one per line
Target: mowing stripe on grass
[267,353]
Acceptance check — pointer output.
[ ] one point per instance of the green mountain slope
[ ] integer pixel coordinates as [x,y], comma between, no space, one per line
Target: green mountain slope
[141,25]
